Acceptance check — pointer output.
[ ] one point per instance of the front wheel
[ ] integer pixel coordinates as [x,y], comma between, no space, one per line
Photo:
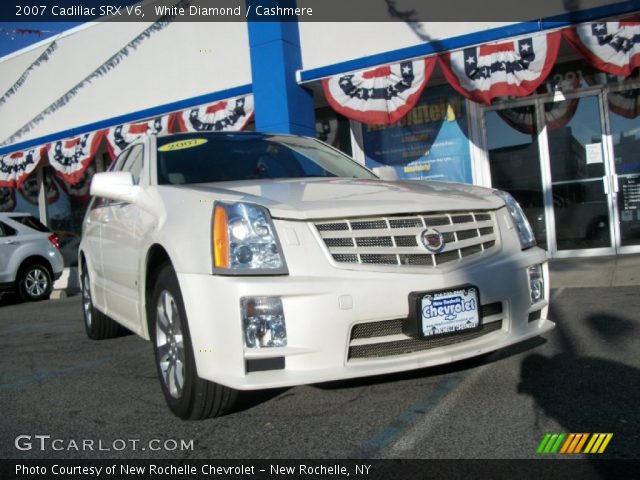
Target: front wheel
[34,283]
[188,396]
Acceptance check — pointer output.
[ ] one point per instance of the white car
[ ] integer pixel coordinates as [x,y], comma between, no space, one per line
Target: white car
[30,258]
[255,261]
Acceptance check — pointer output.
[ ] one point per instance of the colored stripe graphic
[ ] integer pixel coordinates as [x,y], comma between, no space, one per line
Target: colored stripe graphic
[598,442]
[556,443]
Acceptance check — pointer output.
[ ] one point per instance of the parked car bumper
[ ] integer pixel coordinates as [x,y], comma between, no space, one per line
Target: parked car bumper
[321,312]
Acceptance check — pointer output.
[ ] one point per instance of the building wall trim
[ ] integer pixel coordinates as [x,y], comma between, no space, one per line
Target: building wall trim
[462,41]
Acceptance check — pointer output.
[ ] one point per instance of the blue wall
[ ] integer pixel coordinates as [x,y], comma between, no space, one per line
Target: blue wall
[281,105]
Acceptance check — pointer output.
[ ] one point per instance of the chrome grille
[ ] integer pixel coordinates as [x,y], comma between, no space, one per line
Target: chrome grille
[411,345]
[385,338]
[397,240]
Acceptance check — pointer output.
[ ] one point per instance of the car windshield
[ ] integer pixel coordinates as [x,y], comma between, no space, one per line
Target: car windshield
[219,157]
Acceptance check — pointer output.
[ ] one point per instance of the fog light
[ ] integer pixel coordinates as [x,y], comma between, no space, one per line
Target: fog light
[263,322]
[536,283]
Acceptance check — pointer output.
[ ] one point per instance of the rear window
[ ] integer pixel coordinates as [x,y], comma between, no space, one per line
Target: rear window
[31,222]
[6,230]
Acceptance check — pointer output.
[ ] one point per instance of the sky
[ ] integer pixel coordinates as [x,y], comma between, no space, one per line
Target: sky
[14,36]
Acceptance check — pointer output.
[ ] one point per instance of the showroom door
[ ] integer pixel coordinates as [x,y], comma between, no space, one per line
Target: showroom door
[579,177]
[573,163]
[624,128]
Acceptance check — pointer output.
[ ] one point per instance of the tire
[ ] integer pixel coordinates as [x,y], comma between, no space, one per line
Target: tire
[188,396]
[34,282]
[97,325]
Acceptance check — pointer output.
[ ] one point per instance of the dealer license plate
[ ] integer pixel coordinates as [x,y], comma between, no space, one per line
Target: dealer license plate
[450,311]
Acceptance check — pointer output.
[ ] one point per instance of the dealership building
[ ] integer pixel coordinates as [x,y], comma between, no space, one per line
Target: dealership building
[546,109]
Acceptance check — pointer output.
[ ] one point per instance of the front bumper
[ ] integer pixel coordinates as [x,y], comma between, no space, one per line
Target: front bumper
[321,311]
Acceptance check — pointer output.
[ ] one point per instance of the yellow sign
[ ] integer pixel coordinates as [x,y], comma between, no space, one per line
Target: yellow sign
[182,144]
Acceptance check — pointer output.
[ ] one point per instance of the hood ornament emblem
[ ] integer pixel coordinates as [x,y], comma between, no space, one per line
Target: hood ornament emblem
[432,240]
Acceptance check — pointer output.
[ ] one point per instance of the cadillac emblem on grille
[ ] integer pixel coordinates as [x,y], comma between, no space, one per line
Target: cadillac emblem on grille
[432,240]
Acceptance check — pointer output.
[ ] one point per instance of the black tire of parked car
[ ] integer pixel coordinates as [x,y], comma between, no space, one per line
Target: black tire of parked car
[97,325]
[34,272]
[199,398]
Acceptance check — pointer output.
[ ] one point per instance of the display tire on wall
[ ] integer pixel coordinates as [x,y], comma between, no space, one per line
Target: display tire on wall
[97,325]
[34,282]
[188,396]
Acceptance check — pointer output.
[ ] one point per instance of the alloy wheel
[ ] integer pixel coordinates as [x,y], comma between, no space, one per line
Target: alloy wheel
[36,282]
[170,353]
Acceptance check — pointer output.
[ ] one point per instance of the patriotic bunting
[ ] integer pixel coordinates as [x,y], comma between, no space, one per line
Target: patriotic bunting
[556,116]
[16,167]
[625,103]
[30,189]
[510,68]
[80,190]
[613,47]
[227,115]
[380,96]
[70,158]
[121,136]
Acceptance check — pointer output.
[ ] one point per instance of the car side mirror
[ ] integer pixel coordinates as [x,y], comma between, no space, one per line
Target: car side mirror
[117,186]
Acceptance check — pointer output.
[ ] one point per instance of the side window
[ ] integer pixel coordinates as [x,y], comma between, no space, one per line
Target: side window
[6,230]
[134,163]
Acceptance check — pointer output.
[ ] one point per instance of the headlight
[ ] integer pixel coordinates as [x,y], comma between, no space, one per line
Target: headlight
[244,240]
[525,233]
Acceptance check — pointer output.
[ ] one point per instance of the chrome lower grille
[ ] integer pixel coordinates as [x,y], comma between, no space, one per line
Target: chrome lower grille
[396,240]
[385,338]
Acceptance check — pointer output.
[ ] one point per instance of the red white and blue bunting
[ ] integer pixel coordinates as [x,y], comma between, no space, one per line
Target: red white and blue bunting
[121,136]
[227,115]
[556,116]
[80,189]
[30,189]
[613,47]
[380,96]
[70,158]
[501,69]
[625,103]
[16,167]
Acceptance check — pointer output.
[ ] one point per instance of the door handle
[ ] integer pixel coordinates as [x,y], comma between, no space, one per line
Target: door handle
[614,180]
[10,242]
[605,182]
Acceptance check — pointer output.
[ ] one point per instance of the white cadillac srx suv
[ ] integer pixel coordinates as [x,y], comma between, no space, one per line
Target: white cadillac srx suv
[255,261]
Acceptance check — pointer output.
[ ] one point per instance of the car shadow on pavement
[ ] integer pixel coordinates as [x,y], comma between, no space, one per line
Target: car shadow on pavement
[588,393]
[250,399]
[9,299]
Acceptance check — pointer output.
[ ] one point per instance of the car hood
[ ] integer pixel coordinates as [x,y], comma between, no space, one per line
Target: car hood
[312,198]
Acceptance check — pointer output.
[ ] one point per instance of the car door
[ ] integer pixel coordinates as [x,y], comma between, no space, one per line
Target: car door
[92,248]
[8,245]
[121,243]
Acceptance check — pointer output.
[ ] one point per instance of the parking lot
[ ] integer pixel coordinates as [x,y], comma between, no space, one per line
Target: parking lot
[584,376]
